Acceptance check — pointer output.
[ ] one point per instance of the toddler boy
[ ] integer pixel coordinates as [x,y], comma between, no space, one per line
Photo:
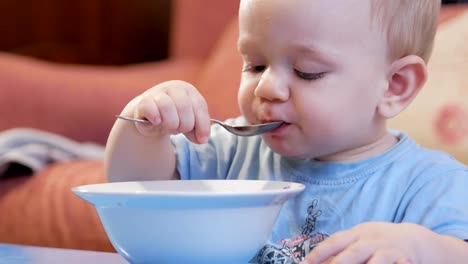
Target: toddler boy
[334,71]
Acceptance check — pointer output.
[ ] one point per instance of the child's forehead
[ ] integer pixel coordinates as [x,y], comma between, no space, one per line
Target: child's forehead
[336,25]
[305,11]
[307,16]
[303,5]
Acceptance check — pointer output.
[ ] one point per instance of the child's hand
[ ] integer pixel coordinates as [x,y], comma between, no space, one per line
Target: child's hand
[384,243]
[173,107]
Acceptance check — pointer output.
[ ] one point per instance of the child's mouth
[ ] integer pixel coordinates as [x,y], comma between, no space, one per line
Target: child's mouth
[279,129]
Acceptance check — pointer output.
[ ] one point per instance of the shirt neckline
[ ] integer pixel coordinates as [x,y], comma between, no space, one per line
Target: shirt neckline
[337,173]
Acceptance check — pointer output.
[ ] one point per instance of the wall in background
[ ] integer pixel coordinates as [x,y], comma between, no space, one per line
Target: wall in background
[112,32]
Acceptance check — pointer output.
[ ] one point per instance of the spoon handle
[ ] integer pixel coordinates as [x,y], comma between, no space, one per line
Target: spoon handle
[145,121]
[245,131]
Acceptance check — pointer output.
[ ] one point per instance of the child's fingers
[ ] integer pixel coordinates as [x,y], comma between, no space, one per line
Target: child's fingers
[202,117]
[359,252]
[147,109]
[168,111]
[329,248]
[175,107]
[388,255]
[184,109]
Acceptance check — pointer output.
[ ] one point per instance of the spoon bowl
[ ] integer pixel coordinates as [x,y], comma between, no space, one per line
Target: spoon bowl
[244,131]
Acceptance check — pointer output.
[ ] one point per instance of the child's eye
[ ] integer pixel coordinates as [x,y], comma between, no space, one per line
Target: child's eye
[256,68]
[309,76]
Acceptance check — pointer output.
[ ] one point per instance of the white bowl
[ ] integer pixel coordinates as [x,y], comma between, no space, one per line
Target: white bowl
[197,221]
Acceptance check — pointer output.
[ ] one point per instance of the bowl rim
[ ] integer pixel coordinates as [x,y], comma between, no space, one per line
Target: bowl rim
[291,187]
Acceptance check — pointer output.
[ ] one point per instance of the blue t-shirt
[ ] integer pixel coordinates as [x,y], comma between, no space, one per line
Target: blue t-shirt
[407,183]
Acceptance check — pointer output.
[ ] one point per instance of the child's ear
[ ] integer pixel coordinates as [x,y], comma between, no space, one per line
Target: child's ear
[406,78]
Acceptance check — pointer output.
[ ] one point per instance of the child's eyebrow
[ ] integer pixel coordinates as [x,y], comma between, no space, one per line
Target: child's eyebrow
[318,52]
[315,51]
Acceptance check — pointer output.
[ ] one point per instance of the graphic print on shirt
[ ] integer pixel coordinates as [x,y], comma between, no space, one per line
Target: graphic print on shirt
[294,250]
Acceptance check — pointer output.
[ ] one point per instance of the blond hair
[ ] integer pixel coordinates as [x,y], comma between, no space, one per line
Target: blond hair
[409,25]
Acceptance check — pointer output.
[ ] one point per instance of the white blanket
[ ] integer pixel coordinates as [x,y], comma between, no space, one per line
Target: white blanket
[35,149]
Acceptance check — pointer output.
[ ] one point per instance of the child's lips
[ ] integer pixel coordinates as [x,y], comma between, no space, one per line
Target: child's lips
[270,120]
[280,128]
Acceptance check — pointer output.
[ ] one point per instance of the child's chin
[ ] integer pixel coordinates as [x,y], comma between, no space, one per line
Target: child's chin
[284,150]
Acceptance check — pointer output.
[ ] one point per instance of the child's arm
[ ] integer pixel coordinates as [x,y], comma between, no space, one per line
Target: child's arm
[389,243]
[137,151]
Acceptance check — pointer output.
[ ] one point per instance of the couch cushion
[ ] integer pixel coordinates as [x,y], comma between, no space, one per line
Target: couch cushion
[77,101]
[43,211]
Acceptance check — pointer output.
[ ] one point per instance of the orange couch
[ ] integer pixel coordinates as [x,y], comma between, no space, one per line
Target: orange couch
[80,102]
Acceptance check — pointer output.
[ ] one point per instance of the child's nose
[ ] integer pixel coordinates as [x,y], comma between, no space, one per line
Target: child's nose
[272,86]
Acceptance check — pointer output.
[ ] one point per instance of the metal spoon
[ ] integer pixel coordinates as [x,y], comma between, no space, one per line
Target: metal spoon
[245,131]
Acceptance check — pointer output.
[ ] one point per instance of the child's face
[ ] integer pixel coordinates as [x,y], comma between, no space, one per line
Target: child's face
[319,66]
